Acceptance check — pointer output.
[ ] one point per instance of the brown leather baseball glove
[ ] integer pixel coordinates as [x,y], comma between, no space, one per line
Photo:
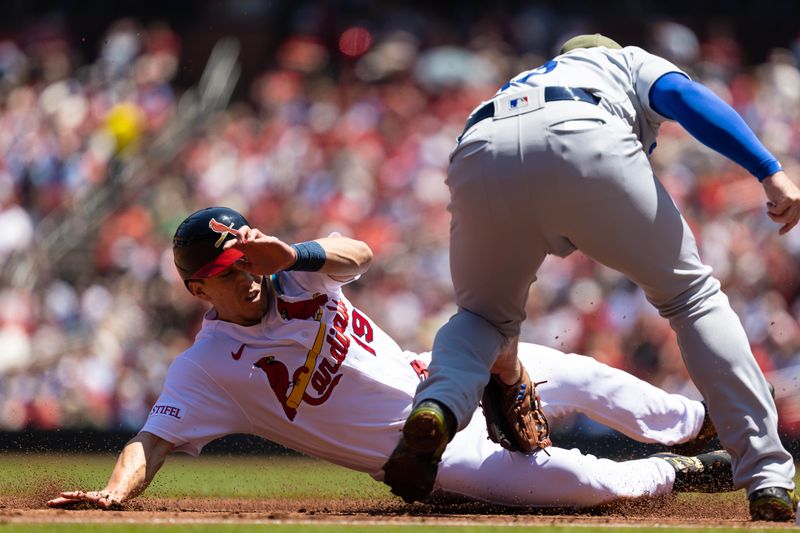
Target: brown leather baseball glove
[514,415]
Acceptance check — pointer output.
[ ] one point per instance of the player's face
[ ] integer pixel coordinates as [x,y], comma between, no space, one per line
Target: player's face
[238,296]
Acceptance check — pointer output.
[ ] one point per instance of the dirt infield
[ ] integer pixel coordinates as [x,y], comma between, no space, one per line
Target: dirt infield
[699,512]
[25,500]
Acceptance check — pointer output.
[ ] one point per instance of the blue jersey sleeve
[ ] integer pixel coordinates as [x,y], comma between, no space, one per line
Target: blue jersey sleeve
[711,121]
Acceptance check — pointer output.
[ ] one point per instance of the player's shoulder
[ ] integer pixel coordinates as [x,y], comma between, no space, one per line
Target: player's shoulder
[637,56]
[627,53]
[296,284]
[191,370]
[191,360]
[602,58]
[641,53]
[633,49]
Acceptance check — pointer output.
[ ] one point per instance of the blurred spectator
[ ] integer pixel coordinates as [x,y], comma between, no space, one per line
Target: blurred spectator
[356,143]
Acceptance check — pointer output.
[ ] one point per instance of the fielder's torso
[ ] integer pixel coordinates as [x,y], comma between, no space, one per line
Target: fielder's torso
[621,78]
[316,375]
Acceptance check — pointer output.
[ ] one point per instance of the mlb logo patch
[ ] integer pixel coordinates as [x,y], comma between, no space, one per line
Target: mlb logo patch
[517,103]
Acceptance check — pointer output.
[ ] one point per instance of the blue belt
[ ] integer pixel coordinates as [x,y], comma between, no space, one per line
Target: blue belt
[551,94]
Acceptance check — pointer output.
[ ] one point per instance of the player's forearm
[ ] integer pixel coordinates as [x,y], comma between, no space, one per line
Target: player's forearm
[344,257]
[136,466]
[713,122]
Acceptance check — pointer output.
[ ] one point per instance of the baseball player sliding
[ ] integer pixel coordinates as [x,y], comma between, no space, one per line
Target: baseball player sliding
[284,355]
[556,161]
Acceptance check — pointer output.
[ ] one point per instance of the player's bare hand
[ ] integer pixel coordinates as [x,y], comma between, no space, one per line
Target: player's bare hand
[783,200]
[263,254]
[101,499]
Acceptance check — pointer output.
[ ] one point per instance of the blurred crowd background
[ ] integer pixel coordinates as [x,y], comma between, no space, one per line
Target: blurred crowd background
[341,119]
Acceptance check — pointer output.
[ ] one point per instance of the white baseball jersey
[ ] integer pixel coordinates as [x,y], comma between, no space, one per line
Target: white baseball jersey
[316,375]
[622,79]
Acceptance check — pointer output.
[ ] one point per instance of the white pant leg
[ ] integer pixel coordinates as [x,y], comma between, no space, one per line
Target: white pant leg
[479,469]
[610,396]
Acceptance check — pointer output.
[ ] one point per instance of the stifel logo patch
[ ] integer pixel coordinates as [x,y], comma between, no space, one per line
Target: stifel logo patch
[167,410]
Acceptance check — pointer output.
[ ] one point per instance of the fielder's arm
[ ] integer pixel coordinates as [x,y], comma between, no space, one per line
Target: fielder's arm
[345,258]
[340,257]
[717,125]
[136,466]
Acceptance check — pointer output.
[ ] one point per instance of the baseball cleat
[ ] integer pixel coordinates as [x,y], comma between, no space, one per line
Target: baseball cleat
[773,503]
[411,469]
[707,472]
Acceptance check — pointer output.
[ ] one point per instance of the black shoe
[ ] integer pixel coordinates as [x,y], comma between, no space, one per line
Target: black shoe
[707,472]
[411,469]
[773,503]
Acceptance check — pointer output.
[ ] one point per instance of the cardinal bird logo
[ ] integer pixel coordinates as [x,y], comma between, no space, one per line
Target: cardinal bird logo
[223,230]
[290,390]
[303,309]
[278,377]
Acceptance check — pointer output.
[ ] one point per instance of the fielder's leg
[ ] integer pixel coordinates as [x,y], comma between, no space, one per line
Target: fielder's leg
[618,213]
[494,256]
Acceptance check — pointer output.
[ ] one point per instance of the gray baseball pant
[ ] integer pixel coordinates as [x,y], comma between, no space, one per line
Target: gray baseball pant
[570,175]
